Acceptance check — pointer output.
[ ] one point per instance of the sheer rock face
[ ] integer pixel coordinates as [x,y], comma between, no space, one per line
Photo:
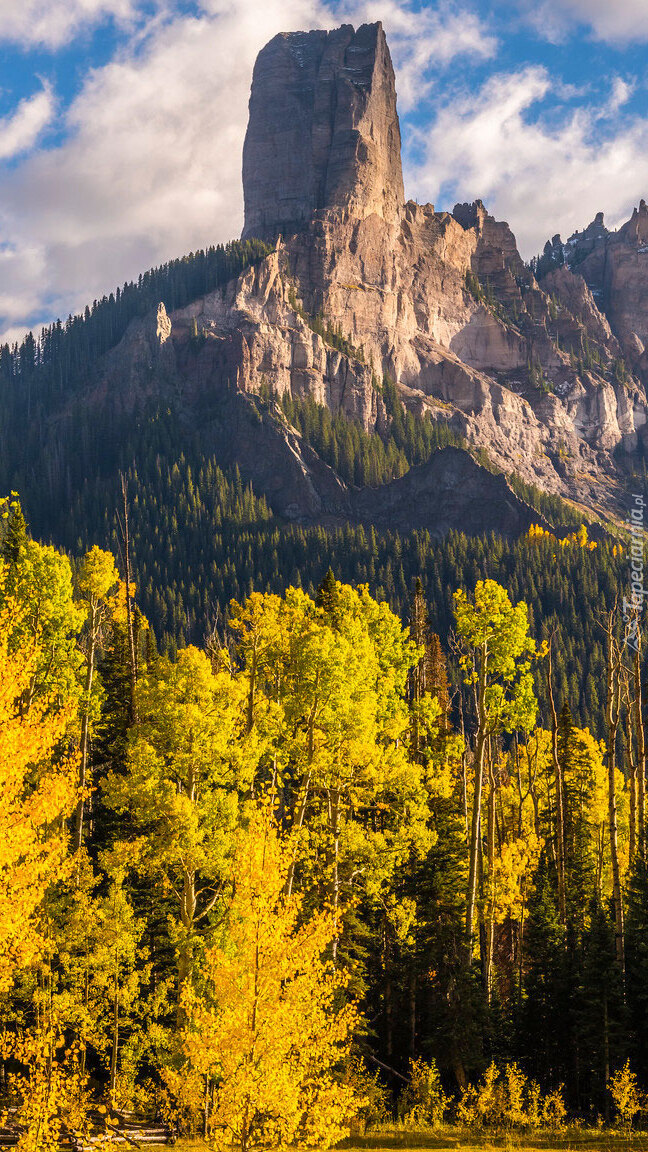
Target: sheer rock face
[625,291]
[440,302]
[323,131]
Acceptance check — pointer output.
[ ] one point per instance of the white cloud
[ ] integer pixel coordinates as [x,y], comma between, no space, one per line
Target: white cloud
[541,178]
[52,23]
[151,165]
[613,21]
[424,39]
[622,91]
[21,129]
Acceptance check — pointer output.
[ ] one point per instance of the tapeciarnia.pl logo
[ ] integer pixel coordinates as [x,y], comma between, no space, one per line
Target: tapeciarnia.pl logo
[632,607]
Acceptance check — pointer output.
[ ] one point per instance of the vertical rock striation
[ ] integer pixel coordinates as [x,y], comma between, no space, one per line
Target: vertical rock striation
[323,131]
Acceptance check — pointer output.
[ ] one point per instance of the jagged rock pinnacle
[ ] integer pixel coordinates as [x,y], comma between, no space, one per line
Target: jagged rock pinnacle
[323,131]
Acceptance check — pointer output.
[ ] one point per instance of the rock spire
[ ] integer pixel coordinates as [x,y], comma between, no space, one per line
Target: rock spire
[323,131]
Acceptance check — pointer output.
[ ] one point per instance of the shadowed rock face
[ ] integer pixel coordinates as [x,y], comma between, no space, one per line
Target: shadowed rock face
[450,492]
[323,131]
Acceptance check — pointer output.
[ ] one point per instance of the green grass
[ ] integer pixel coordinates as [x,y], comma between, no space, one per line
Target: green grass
[450,1138]
[420,1140]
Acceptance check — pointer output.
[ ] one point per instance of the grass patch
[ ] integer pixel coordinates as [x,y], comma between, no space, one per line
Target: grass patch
[420,1140]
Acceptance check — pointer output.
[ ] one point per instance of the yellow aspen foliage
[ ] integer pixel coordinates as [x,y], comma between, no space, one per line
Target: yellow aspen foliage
[50,1093]
[423,1101]
[507,1100]
[35,796]
[336,676]
[268,1026]
[44,619]
[116,602]
[375,1104]
[187,757]
[516,862]
[628,1100]
[580,538]
[554,1110]
[537,532]
[586,787]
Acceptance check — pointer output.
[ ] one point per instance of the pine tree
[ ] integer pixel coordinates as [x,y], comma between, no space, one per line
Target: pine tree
[637,963]
[15,534]
[544,1047]
[328,598]
[602,1022]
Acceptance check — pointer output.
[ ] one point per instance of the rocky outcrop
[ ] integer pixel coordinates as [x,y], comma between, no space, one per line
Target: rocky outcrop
[451,492]
[142,364]
[360,286]
[614,265]
[496,259]
[255,336]
[323,131]
[625,290]
[574,294]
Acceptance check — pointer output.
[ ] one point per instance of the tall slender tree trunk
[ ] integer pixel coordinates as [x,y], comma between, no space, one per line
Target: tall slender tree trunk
[129,611]
[640,744]
[85,737]
[606,1056]
[334,824]
[480,750]
[412,1008]
[249,725]
[417,675]
[632,766]
[188,905]
[206,1109]
[387,985]
[612,716]
[490,925]
[115,1040]
[301,816]
[560,805]
[464,769]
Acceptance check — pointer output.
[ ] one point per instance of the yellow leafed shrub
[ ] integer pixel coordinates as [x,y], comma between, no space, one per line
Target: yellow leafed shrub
[50,1092]
[423,1102]
[507,1100]
[628,1100]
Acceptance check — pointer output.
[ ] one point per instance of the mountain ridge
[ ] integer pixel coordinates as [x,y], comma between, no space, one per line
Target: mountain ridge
[520,362]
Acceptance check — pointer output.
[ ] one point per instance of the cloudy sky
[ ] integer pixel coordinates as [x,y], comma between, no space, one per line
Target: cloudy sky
[122,123]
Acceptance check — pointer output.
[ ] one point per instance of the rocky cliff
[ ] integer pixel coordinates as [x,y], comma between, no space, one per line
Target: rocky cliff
[442,303]
[323,131]
[614,266]
[544,366]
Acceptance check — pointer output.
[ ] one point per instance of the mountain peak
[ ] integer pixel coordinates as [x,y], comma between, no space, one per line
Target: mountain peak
[635,230]
[323,130]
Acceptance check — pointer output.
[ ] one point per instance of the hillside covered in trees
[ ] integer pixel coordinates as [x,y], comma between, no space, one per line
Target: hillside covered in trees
[203,534]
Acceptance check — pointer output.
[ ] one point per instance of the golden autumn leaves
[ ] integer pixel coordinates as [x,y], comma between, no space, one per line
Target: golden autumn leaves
[270,1024]
[263,792]
[34,801]
[43,716]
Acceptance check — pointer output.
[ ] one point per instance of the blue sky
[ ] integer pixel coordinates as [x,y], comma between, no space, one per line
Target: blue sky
[122,121]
